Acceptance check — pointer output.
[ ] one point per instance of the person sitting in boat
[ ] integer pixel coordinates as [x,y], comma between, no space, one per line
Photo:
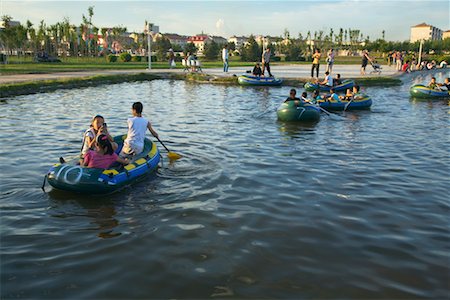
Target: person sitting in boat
[316,96]
[337,80]
[334,96]
[446,84]
[348,95]
[98,126]
[328,80]
[433,84]
[257,70]
[103,156]
[292,97]
[137,126]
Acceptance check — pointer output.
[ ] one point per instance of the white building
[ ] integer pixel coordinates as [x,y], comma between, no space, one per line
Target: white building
[446,34]
[424,31]
[239,41]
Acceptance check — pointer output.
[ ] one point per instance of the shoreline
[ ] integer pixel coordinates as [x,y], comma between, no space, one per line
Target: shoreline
[15,85]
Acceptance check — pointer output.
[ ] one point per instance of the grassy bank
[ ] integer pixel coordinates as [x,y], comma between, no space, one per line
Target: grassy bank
[24,65]
[32,87]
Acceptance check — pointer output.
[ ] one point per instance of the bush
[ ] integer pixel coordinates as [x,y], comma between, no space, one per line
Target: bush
[125,57]
[275,58]
[145,58]
[136,58]
[111,58]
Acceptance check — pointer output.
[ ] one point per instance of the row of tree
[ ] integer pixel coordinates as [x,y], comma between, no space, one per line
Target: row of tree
[63,39]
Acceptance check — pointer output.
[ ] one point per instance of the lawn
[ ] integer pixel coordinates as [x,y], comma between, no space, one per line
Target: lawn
[24,65]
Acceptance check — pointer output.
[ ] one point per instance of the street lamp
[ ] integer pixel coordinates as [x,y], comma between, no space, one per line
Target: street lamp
[149,29]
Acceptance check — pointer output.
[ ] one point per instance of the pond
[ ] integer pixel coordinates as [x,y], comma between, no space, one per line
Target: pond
[256,208]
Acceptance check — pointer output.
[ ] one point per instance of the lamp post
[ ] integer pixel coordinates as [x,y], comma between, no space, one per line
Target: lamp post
[420,52]
[149,28]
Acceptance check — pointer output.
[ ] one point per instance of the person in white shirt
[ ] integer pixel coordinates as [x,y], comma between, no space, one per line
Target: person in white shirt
[225,58]
[328,80]
[137,126]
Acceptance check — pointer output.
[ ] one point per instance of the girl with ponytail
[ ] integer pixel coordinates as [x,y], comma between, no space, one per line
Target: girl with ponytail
[103,155]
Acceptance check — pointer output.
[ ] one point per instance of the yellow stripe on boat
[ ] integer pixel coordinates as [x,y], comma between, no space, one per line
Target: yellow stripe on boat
[130,167]
[110,172]
[140,161]
[153,151]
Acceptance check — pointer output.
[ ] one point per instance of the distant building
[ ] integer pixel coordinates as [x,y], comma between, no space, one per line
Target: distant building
[11,24]
[425,31]
[199,41]
[176,39]
[218,39]
[239,41]
[446,34]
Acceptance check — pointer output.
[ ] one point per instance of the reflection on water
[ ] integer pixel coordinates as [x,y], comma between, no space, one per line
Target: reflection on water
[356,207]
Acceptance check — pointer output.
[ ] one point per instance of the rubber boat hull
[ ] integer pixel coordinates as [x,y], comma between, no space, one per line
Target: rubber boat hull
[255,80]
[71,177]
[359,103]
[289,112]
[422,91]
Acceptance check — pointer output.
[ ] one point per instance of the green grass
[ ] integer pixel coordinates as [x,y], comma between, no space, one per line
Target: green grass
[24,65]
[32,87]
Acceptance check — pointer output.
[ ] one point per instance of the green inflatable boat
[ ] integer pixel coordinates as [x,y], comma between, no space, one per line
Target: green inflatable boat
[69,176]
[290,112]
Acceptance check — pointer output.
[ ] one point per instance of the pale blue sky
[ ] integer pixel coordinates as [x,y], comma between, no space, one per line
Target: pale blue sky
[227,18]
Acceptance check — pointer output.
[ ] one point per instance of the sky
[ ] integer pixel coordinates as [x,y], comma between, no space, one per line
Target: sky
[227,18]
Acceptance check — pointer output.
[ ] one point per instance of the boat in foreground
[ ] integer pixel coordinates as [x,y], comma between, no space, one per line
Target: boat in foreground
[346,84]
[256,80]
[289,112]
[70,176]
[422,91]
[361,101]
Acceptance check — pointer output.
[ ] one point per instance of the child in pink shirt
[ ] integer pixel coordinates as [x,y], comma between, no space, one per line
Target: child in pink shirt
[103,156]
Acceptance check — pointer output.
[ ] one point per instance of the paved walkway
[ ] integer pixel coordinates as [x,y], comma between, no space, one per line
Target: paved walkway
[283,71]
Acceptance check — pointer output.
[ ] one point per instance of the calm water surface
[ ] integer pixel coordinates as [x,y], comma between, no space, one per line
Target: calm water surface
[356,208]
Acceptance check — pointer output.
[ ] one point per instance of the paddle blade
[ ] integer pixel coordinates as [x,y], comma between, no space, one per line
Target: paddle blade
[173,156]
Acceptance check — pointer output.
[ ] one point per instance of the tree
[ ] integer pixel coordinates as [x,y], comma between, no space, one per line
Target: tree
[161,46]
[190,48]
[211,50]
[251,50]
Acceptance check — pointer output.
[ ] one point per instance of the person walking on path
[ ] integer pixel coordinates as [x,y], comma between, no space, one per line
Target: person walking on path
[315,63]
[266,62]
[365,60]
[172,63]
[225,58]
[330,60]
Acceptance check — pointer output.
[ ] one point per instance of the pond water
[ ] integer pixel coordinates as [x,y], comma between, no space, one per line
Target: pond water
[256,208]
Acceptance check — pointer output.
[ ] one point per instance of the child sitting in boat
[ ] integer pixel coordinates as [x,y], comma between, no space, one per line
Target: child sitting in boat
[103,156]
[137,126]
[98,126]
[316,96]
[257,70]
[446,84]
[334,96]
[337,80]
[292,94]
[328,80]
[433,84]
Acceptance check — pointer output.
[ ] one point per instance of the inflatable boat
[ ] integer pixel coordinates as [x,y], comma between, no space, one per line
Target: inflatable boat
[290,112]
[346,84]
[256,80]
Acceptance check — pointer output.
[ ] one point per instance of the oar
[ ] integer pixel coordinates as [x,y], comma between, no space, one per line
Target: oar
[346,105]
[170,155]
[331,115]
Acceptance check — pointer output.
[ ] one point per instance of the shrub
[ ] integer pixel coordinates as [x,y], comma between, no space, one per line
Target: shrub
[275,58]
[136,58]
[125,57]
[111,58]
[145,58]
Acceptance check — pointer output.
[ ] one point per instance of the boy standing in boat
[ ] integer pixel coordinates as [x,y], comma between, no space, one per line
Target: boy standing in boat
[137,126]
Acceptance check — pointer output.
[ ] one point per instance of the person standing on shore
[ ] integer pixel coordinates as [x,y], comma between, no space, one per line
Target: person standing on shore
[266,62]
[225,58]
[330,60]
[365,59]
[315,63]
[172,63]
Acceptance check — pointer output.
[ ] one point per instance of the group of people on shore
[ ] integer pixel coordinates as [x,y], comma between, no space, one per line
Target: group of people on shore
[99,149]
[265,63]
